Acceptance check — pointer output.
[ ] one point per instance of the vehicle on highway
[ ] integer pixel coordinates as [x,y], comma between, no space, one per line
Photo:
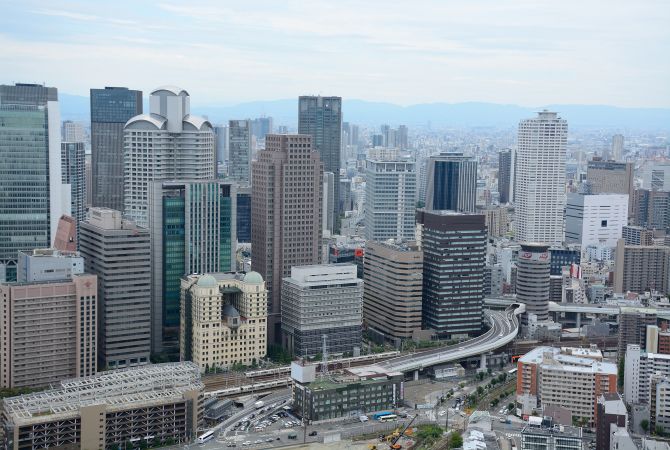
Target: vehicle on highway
[205,437]
[293,436]
[313,433]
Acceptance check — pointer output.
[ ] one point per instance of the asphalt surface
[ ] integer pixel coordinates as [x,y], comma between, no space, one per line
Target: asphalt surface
[504,328]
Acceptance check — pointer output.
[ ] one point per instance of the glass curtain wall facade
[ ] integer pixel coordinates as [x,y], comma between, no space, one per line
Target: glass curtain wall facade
[111,108]
[73,165]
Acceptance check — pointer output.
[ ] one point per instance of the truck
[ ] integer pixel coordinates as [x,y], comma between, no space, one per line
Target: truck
[259,404]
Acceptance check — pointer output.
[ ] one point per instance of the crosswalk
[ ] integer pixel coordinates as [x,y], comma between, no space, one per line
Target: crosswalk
[513,435]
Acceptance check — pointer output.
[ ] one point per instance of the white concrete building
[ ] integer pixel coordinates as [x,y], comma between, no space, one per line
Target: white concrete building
[168,143]
[638,369]
[390,196]
[539,192]
[595,219]
[47,264]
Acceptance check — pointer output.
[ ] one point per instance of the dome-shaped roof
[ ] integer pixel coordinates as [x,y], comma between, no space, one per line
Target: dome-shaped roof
[253,278]
[207,281]
[230,311]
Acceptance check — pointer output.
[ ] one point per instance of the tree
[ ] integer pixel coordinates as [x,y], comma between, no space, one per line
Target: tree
[659,430]
[644,424]
[429,432]
[455,440]
[511,406]
[480,390]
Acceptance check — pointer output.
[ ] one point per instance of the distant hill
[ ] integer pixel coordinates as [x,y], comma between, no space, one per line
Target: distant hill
[471,114]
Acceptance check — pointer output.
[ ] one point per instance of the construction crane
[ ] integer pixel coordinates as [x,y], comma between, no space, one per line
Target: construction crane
[396,435]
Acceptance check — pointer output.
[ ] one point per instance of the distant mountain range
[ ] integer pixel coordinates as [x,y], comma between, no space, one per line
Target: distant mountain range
[438,115]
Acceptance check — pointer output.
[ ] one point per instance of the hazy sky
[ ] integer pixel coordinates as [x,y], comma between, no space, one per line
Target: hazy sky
[531,53]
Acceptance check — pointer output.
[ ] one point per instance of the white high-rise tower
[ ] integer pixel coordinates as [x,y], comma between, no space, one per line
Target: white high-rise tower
[540,179]
[617,147]
[169,143]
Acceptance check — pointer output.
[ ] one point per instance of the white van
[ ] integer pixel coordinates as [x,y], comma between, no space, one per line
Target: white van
[363,419]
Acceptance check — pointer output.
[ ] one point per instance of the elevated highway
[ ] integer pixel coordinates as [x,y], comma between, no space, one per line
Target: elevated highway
[504,328]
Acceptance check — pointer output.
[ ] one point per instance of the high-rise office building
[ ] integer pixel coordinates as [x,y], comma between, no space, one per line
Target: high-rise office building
[222,134]
[168,144]
[636,235]
[539,178]
[321,118]
[262,126]
[328,200]
[72,131]
[66,234]
[193,230]
[610,177]
[33,195]
[390,195]
[655,175]
[617,147]
[451,182]
[244,214]
[402,140]
[118,252]
[651,209]
[595,219]
[233,304]
[533,280]
[505,176]
[49,330]
[239,150]
[74,174]
[286,213]
[633,323]
[640,268]
[454,259]
[111,108]
[393,287]
[322,300]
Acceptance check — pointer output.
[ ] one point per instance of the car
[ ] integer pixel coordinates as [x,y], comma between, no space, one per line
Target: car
[246,443]
[258,441]
[313,433]
[231,444]
[270,440]
[442,413]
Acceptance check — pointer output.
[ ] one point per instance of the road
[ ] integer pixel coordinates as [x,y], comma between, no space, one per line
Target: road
[504,328]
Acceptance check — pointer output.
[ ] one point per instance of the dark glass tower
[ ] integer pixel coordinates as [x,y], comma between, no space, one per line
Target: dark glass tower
[504,175]
[321,117]
[454,258]
[111,108]
[74,173]
[452,183]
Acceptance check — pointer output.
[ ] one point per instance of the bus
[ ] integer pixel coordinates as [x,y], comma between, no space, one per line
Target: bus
[512,372]
[379,415]
[388,418]
[205,437]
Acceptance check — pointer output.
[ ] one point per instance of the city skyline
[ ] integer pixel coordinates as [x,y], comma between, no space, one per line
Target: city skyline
[502,53]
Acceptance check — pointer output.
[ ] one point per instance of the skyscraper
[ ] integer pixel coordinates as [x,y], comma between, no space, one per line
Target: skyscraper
[505,175]
[390,194]
[239,150]
[533,280]
[451,183]
[286,213]
[74,173]
[321,117]
[222,151]
[118,252]
[454,259]
[595,219]
[170,143]
[33,195]
[262,126]
[111,108]
[617,147]
[72,131]
[610,177]
[193,230]
[244,214]
[539,181]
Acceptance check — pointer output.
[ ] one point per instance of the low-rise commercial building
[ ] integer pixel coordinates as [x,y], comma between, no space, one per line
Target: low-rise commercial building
[570,377]
[541,434]
[138,407]
[223,319]
[346,396]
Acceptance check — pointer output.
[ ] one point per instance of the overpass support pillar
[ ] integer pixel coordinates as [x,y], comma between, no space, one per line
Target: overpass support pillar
[482,364]
[416,375]
[578,320]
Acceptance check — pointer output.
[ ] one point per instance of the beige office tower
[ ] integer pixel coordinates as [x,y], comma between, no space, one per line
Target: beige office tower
[611,177]
[393,286]
[640,268]
[48,331]
[286,214]
[223,319]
